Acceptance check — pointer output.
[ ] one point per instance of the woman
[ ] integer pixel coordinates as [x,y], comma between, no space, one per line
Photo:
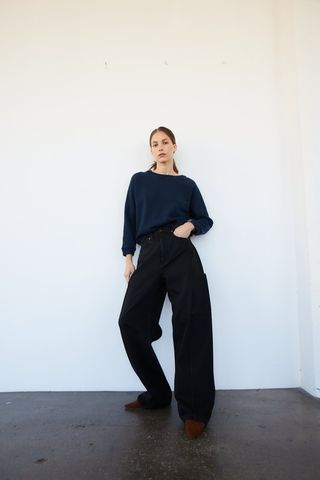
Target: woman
[162,211]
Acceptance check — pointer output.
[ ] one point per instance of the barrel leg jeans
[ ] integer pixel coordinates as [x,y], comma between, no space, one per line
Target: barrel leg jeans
[170,264]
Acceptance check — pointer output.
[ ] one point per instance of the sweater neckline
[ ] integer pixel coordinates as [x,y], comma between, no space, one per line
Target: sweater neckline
[163,174]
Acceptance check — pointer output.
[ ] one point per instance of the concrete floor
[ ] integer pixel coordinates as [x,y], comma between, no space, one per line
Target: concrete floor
[253,435]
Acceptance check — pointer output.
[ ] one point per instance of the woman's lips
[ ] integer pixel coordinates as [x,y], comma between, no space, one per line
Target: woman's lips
[161,154]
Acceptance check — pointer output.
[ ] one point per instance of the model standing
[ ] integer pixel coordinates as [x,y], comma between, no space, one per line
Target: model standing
[163,209]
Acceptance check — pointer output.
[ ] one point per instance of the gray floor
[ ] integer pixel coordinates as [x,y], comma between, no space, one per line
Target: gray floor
[253,434]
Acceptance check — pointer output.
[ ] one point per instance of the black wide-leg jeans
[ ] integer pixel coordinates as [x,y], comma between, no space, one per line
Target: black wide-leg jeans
[171,264]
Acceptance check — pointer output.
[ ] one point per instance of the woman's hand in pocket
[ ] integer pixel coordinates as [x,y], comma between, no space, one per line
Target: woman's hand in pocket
[183,230]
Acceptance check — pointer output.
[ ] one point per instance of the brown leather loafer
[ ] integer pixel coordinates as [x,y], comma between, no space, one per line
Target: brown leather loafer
[193,428]
[133,405]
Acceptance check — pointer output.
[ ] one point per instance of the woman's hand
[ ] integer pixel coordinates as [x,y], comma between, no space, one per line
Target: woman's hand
[184,230]
[129,269]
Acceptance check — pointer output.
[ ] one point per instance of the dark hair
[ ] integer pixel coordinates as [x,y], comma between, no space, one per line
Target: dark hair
[170,134]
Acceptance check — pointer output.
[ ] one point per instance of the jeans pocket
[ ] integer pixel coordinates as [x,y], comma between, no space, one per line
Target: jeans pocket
[180,238]
[146,239]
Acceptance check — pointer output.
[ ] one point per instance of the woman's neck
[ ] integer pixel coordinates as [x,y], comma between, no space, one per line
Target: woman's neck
[164,171]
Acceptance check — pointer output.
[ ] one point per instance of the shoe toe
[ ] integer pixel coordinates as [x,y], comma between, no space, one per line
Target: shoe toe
[133,405]
[193,428]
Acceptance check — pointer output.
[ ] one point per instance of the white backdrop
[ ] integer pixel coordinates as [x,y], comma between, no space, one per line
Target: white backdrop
[83,85]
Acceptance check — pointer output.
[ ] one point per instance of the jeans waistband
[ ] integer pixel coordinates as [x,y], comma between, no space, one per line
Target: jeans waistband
[159,230]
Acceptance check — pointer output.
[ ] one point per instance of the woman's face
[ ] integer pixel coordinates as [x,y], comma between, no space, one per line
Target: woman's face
[162,148]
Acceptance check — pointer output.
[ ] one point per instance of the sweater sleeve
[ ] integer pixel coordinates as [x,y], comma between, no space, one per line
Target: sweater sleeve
[199,215]
[129,227]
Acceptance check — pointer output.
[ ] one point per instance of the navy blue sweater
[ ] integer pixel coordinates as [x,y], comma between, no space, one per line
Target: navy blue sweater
[155,199]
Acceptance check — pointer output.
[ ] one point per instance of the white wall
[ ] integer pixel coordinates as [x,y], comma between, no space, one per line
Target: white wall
[307,43]
[83,84]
